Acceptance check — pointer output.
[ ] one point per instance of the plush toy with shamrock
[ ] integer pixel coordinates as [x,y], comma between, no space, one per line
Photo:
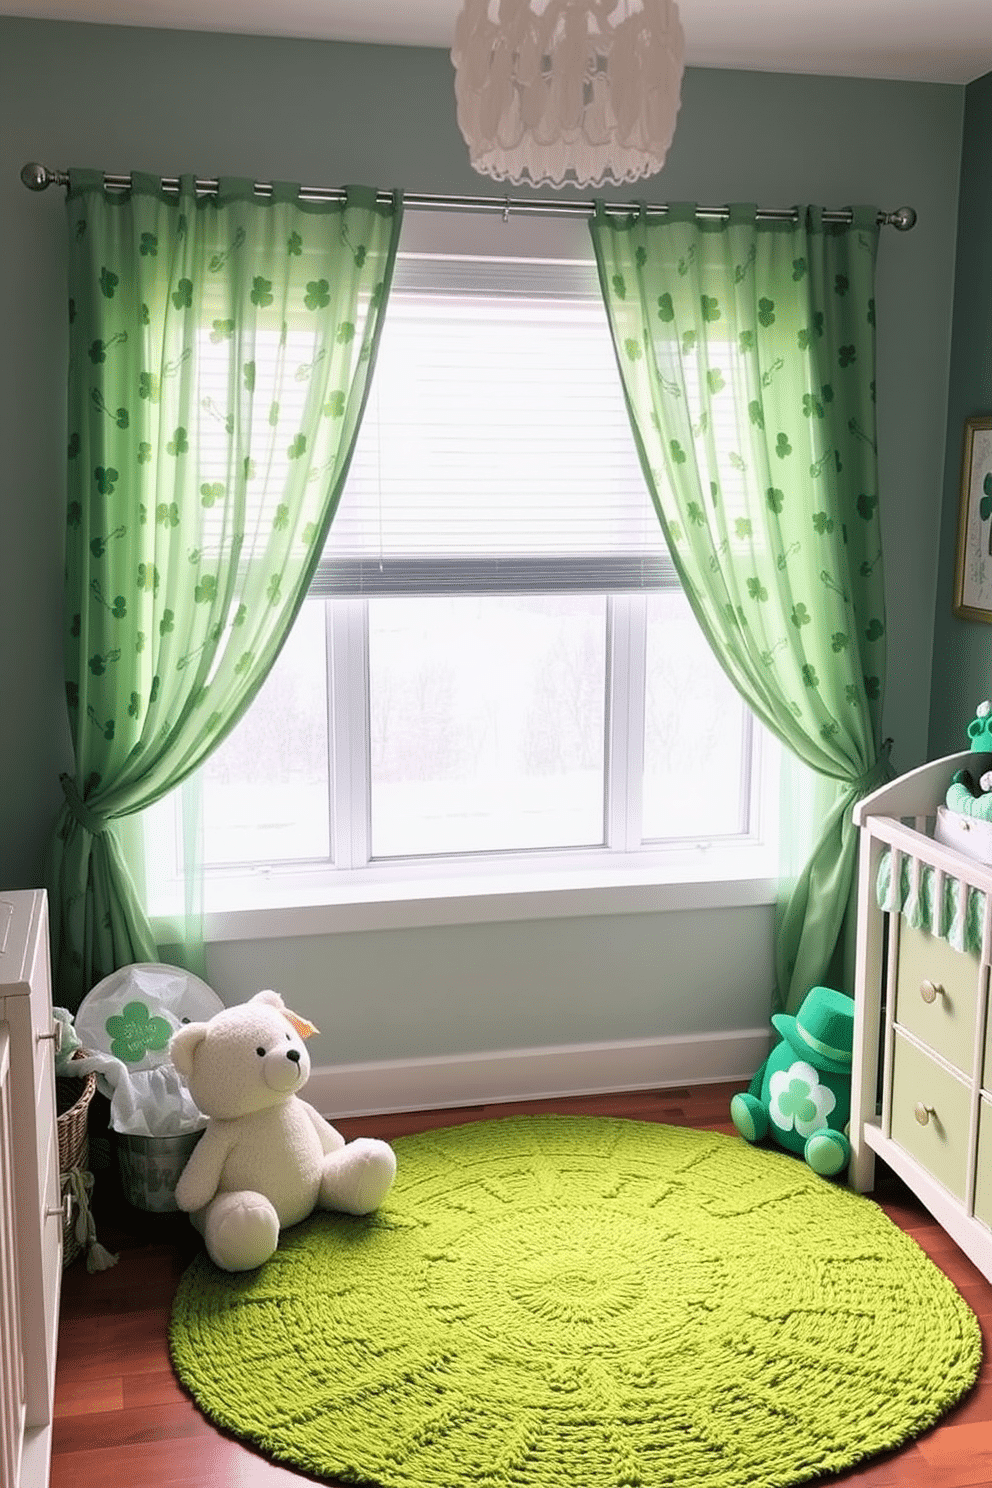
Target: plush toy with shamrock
[801,1095]
[964,795]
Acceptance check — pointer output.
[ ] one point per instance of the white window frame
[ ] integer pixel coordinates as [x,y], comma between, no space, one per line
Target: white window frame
[273,900]
[353,892]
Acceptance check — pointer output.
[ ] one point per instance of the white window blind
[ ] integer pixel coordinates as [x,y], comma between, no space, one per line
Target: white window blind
[495,453]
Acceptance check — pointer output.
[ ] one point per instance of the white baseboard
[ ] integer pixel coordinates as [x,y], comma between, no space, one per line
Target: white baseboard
[535,1074]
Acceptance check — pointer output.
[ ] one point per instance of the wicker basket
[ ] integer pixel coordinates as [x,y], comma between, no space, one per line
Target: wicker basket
[72,1105]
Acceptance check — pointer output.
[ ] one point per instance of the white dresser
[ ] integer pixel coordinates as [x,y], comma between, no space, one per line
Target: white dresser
[30,1209]
[922,1075]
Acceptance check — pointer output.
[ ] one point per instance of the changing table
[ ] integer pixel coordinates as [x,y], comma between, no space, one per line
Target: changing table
[921,1095]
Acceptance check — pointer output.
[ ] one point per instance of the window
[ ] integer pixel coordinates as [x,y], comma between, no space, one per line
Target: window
[496,670]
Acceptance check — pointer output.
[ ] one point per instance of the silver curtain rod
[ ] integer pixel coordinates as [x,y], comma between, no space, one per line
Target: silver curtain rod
[37,177]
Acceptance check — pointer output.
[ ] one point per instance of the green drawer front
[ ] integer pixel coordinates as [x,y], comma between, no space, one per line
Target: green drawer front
[983,1181]
[987,1076]
[947,1022]
[941,1145]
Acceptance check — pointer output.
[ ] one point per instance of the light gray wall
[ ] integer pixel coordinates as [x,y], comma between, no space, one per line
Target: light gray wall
[409,994]
[962,662]
[118,98]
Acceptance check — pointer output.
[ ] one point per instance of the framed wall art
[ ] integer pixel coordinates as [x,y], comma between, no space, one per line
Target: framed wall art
[973,577]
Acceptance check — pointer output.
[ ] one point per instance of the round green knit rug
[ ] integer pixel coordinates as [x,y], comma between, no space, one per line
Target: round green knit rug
[571,1302]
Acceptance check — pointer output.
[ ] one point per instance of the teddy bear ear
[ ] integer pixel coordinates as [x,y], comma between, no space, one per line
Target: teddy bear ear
[269,999]
[302,1025]
[184,1044]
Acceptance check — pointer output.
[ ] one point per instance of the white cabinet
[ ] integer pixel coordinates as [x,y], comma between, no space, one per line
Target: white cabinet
[921,1094]
[30,1209]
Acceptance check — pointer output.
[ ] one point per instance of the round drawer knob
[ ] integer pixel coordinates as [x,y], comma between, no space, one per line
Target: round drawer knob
[923,1113]
[930,991]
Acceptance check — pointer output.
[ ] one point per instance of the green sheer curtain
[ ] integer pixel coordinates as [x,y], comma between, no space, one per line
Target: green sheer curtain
[746,350]
[221,348]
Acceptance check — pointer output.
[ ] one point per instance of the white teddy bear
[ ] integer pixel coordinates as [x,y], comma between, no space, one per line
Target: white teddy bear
[267,1158]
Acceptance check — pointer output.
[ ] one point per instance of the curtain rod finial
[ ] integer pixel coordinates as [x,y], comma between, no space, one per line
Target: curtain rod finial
[35,176]
[903,219]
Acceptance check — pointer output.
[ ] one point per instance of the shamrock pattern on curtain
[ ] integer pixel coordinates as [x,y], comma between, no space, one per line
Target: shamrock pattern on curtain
[221,349]
[746,351]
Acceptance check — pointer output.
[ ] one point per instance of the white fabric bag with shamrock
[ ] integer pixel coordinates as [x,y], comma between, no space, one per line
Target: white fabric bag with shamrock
[124,1024]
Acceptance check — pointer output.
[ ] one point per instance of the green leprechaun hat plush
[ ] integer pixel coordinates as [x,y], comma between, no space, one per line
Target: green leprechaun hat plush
[965,795]
[801,1095]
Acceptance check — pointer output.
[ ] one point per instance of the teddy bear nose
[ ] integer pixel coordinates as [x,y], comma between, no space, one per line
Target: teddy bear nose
[294,1055]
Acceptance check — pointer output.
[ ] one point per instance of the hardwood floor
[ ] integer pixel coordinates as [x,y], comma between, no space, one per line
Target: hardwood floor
[121,1417]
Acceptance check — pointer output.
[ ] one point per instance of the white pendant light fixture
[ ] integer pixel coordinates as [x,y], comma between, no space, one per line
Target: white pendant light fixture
[581,92]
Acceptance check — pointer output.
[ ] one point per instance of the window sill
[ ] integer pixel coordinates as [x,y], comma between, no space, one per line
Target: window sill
[263,908]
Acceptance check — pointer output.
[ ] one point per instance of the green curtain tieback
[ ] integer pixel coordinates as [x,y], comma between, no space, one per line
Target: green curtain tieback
[880,772]
[85,816]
